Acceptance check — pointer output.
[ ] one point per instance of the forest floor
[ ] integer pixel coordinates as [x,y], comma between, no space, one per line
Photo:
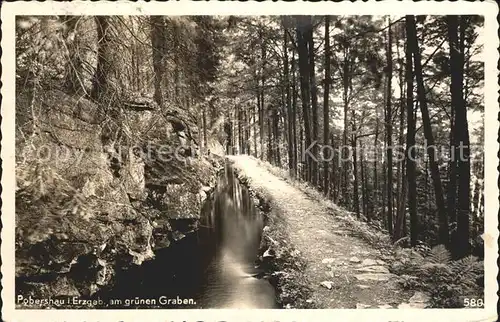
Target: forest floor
[340,267]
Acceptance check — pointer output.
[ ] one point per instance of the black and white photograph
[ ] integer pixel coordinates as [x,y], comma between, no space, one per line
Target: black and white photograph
[234,161]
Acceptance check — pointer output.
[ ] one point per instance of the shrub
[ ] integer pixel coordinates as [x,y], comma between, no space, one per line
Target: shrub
[447,281]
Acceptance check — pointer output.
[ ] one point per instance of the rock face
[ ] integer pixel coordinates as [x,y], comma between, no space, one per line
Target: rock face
[84,210]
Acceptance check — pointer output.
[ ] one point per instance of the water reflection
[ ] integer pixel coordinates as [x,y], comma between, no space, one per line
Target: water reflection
[215,266]
[237,225]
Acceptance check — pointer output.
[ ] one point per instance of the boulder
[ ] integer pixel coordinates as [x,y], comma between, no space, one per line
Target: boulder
[419,300]
[327,284]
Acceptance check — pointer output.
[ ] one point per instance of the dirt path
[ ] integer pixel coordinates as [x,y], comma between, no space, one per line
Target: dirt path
[343,271]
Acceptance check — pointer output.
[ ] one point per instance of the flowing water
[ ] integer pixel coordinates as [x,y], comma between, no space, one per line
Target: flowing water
[216,266]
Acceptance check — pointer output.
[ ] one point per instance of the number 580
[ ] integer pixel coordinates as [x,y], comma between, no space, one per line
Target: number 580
[473,302]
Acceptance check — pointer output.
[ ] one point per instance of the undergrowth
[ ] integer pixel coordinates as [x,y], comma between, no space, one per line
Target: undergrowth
[448,282]
[283,264]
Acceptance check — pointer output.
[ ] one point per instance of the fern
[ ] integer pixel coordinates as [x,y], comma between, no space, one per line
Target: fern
[467,270]
[444,279]
[467,265]
[439,255]
[417,257]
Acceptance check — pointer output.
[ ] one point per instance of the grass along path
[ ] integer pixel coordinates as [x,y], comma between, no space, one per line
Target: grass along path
[341,269]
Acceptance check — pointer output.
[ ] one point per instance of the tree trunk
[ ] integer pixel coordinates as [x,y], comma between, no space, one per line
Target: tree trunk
[345,162]
[137,68]
[326,108]
[275,143]
[451,189]
[270,156]
[294,118]
[74,81]
[376,185]
[384,193]
[388,130]
[105,67]
[260,124]
[251,125]
[104,77]
[461,138]
[334,175]
[247,132]
[288,103]
[355,167]
[262,105]
[364,188]
[303,26]
[401,212]
[175,30]
[438,190]
[314,106]
[158,48]
[410,140]
[240,130]
[228,128]
[401,165]
[303,160]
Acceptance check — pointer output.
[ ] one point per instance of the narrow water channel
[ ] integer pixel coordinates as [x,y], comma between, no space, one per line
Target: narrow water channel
[216,266]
